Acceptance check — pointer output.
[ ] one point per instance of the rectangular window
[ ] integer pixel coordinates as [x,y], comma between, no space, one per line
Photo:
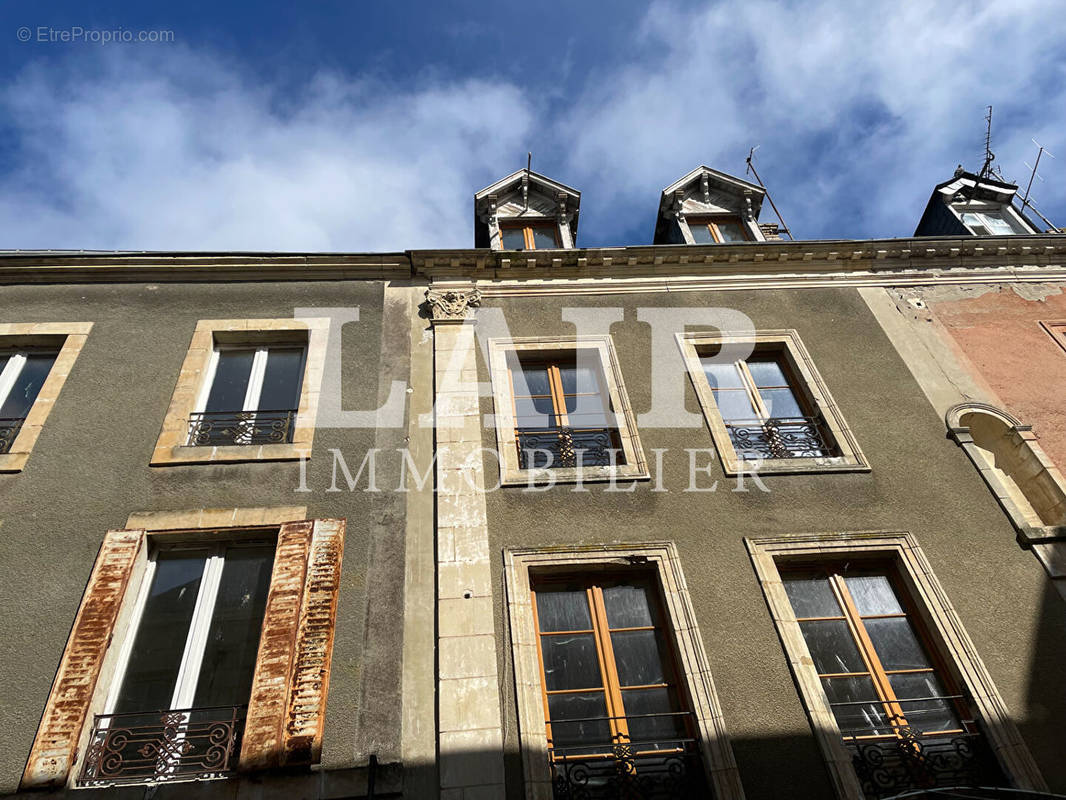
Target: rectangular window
[250,396]
[22,374]
[184,679]
[990,223]
[530,236]
[765,403]
[722,230]
[765,414]
[562,413]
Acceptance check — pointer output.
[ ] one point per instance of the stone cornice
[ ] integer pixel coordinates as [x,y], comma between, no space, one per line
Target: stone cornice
[777,263]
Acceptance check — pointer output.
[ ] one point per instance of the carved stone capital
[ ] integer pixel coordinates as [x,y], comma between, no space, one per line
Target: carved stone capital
[451,305]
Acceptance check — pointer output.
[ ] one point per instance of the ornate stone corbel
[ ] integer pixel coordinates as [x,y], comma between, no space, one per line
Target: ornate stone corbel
[487,212]
[749,213]
[705,187]
[451,305]
[525,190]
[677,204]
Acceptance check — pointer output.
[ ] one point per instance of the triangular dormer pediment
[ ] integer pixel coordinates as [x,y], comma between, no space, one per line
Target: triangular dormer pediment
[706,196]
[526,210]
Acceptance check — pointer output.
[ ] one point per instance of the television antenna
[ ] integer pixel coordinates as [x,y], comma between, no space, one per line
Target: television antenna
[1034,175]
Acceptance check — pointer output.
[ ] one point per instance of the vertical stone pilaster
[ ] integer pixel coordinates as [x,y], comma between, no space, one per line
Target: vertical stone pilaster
[470,732]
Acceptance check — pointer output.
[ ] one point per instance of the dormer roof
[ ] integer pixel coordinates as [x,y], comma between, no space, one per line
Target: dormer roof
[707,192]
[525,195]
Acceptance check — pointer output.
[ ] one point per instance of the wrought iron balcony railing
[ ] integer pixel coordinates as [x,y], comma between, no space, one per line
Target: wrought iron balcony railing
[153,746]
[903,758]
[9,429]
[780,437]
[642,766]
[212,428]
[560,447]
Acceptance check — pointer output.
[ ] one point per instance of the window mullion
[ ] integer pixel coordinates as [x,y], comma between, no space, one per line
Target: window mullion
[192,658]
[882,684]
[752,390]
[555,380]
[10,374]
[611,685]
[527,237]
[255,380]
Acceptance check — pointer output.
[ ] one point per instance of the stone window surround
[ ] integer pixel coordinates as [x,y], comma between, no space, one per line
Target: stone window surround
[902,550]
[635,466]
[662,557]
[1056,329]
[70,338]
[810,384]
[285,717]
[171,447]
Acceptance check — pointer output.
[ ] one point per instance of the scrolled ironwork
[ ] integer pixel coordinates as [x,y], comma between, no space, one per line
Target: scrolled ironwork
[210,428]
[9,429]
[651,768]
[154,746]
[913,761]
[562,446]
[781,437]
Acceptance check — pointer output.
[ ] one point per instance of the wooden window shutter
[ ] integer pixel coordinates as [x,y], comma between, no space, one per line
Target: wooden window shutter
[53,752]
[291,682]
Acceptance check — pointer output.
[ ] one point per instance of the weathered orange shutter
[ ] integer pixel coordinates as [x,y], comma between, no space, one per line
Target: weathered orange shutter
[288,702]
[52,755]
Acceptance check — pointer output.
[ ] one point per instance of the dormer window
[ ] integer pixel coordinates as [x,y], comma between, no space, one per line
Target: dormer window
[526,211]
[718,229]
[989,223]
[972,205]
[529,236]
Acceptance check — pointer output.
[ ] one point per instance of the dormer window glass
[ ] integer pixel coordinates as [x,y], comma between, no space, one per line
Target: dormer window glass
[721,230]
[988,223]
[530,236]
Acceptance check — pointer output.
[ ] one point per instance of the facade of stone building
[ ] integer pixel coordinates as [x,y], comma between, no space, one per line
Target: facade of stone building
[718,516]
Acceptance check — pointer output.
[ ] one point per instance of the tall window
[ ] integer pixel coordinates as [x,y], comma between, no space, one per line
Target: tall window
[562,411]
[877,672]
[185,676]
[611,692]
[530,236]
[22,374]
[718,229]
[250,396]
[763,411]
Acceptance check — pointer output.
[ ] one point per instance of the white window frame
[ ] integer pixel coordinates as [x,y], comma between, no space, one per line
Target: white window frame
[13,368]
[1003,212]
[199,626]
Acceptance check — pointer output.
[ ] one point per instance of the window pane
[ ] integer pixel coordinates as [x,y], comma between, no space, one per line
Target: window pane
[231,380]
[638,657]
[832,646]
[781,403]
[579,706]
[731,231]
[530,379]
[233,637]
[767,372]
[873,594]
[586,411]
[570,662]
[662,721]
[580,380]
[628,606]
[923,714]
[513,238]
[998,224]
[896,643]
[544,237]
[160,640]
[534,412]
[282,379]
[701,233]
[563,610]
[721,375]
[735,406]
[811,596]
[27,385]
[856,718]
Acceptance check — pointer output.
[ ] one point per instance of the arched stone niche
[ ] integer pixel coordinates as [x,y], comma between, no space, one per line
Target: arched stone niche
[1028,486]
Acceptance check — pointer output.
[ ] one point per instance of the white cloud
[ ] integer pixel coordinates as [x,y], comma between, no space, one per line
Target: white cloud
[860,109]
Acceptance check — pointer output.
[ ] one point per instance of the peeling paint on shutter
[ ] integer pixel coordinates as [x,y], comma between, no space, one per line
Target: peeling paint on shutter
[261,746]
[52,754]
[314,645]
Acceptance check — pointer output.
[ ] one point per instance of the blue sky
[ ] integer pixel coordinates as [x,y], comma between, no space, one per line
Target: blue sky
[357,126]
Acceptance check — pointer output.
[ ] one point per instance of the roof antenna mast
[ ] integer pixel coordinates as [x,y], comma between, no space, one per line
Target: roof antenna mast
[1026,201]
[751,169]
[986,170]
